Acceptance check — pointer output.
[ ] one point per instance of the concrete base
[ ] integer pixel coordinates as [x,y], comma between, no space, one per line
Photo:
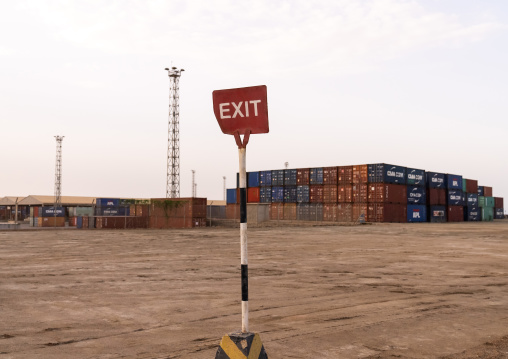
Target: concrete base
[241,346]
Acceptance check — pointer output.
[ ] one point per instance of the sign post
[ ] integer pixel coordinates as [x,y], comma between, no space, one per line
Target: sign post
[242,112]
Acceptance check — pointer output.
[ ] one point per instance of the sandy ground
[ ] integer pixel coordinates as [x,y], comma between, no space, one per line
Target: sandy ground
[372,291]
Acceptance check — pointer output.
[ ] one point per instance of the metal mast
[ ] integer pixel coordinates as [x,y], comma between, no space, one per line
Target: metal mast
[224,178]
[173,159]
[193,184]
[58,172]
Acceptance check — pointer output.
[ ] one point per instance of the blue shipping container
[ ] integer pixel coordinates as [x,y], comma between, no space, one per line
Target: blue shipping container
[113,211]
[231,195]
[290,177]
[107,202]
[455,197]
[481,191]
[79,222]
[437,214]
[385,173]
[415,177]
[416,213]
[265,194]
[278,178]
[454,182]
[472,199]
[303,194]
[253,179]
[499,213]
[277,194]
[416,195]
[290,194]
[265,178]
[472,214]
[435,180]
[50,212]
[316,175]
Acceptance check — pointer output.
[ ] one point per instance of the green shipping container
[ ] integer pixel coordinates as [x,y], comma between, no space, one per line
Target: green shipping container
[489,202]
[481,201]
[84,211]
[487,214]
[464,185]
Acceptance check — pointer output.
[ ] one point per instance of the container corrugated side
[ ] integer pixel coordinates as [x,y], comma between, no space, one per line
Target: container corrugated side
[360,192]
[386,173]
[436,196]
[487,191]
[345,174]
[277,177]
[387,212]
[290,194]
[472,199]
[344,212]
[435,180]
[290,211]
[265,178]
[277,194]
[316,176]
[253,195]
[290,177]
[329,193]
[498,202]
[360,173]
[455,213]
[416,195]
[455,197]
[454,182]
[387,193]
[481,192]
[415,177]
[316,193]
[252,179]
[265,194]
[277,211]
[498,213]
[472,214]
[330,175]
[302,176]
[329,212]
[437,214]
[303,194]
[416,213]
[487,214]
[471,186]
[345,193]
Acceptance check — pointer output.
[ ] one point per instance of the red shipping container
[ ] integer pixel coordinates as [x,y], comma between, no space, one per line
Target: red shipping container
[330,175]
[290,211]
[345,212]
[498,202]
[387,212]
[276,211]
[303,176]
[233,211]
[471,186]
[330,194]
[360,174]
[73,221]
[487,191]
[36,212]
[360,191]
[455,213]
[387,193]
[436,196]
[253,195]
[345,193]
[345,174]
[316,193]
[330,212]
[358,210]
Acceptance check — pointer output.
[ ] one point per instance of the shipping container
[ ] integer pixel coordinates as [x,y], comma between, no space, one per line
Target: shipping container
[360,174]
[73,221]
[472,200]
[437,214]
[265,194]
[84,211]
[107,202]
[50,212]
[330,193]
[454,182]
[303,194]
[344,212]
[176,208]
[231,196]
[290,177]
[385,173]
[472,214]
[487,191]
[233,211]
[416,213]
[303,176]
[436,196]
[345,193]
[290,194]
[498,213]
[79,222]
[277,211]
[330,212]
[253,179]
[345,175]
[498,202]
[415,177]
[277,194]
[330,176]
[360,210]
[489,202]
[481,192]
[416,195]
[455,213]
[52,221]
[290,211]
[253,195]
[36,211]
[316,176]
[387,212]
[360,192]
[455,198]
[215,211]
[316,193]
[435,180]
[112,211]
[487,214]
[316,212]
[265,178]
[278,178]
[303,211]
[387,193]
[157,222]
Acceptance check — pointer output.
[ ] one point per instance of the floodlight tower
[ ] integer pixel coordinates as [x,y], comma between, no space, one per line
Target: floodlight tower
[58,172]
[193,184]
[173,158]
[224,178]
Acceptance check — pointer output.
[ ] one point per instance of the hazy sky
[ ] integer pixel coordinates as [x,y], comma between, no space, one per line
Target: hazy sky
[421,84]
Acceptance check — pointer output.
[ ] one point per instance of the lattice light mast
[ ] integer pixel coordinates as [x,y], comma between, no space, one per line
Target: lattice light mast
[193,184]
[224,178]
[173,159]
[58,173]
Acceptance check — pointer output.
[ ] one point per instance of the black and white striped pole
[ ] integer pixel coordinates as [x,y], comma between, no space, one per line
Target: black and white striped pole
[242,111]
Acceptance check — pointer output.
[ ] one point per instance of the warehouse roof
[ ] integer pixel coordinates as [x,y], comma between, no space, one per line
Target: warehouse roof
[9,200]
[50,201]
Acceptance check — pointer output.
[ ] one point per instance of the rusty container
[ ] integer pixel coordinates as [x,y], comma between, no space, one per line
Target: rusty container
[52,221]
[436,196]
[345,174]
[387,193]
[360,174]
[73,221]
[330,212]
[387,212]
[330,193]
[233,211]
[498,202]
[487,191]
[471,186]
[345,193]
[359,209]
[290,211]
[303,211]
[277,211]
[316,193]
[344,212]
[303,176]
[455,213]
[360,192]
[330,175]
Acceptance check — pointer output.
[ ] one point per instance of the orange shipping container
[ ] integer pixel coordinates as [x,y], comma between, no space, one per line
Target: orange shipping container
[358,210]
[290,211]
[253,195]
[276,211]
[345,174]
[345,212]
[330,175]
[330,212]
[360,174]
[233,211]
[345,193]
[330,194]
[360,191]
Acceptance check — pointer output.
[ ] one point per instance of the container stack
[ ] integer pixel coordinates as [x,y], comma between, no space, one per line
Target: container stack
[374,193]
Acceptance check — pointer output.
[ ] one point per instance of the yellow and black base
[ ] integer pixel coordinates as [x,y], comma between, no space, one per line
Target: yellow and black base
[241,346]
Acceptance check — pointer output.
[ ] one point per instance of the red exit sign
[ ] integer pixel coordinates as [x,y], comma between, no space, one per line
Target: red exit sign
[242,110]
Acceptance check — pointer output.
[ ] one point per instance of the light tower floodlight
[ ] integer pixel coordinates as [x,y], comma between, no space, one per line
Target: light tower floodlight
[173,154]
[58,172]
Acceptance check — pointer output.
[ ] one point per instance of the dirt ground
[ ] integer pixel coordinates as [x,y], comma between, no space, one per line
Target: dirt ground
[372,291]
